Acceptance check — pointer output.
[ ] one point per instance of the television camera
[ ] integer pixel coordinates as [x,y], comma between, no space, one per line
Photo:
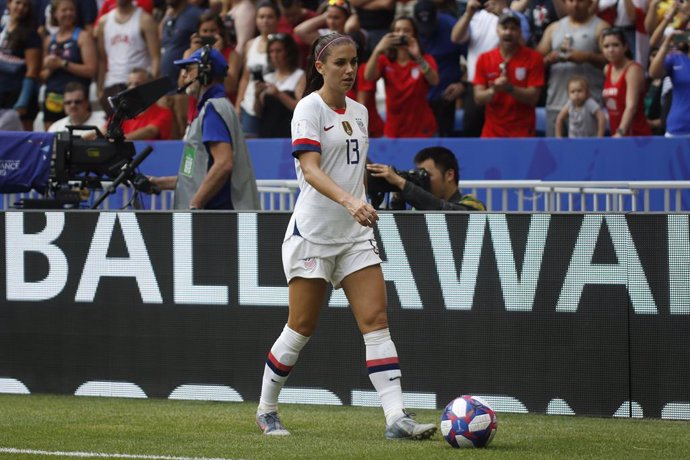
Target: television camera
[107,158]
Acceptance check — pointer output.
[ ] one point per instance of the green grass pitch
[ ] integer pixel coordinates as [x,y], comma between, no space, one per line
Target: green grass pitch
[158,427]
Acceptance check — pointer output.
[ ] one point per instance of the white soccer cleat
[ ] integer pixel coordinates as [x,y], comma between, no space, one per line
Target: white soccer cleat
[408,428]
[270,424]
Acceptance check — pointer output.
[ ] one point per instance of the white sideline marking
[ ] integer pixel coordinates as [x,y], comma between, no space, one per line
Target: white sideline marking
[11,450]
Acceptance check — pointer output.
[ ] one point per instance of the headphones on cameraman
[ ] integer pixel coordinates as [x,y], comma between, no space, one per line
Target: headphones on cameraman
[205,68]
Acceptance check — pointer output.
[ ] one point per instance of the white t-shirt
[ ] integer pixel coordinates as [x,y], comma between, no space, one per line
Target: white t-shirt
[482,38]
[96,119]
[343,142]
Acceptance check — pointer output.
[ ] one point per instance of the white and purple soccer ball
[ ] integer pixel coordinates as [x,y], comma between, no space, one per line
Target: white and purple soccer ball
[468,421]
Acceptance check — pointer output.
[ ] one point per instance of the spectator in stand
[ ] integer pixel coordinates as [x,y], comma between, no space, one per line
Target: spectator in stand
[255,66]
[127,38]
[86,13]
[585,118]
[629,16]
[241,16]
[155,122]
[293,14]
[434,37]
[477,28]
[78,110]
[540,14]
[364,91]
[571,47]
[212,27]
[20,56]
[673,61]
[508,81]
[655,105]
[277,95]
[69,55]
[109,5]
[180,22]
[623,87]
[407,73]
[332,19]
[373,18]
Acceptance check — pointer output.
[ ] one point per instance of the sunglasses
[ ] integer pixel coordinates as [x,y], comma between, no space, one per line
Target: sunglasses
[277,37]
[75,102]
[345,4]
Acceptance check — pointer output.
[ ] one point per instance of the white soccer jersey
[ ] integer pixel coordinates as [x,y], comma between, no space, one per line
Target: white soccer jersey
[342,140]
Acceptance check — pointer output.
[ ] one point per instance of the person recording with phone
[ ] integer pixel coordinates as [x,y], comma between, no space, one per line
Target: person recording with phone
[215,169]
[673,60]
[442,171]
[408,73]
[278,92]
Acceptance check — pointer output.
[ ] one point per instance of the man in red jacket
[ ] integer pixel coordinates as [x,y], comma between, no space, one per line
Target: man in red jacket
[508,81]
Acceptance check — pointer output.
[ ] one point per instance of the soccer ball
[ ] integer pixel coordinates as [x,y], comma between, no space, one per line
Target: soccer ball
[468,421]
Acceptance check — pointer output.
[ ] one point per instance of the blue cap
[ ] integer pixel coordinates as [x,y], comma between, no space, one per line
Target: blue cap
[219,66]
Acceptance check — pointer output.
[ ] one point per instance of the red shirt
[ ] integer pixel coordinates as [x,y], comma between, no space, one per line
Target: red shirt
[161,117]
[613,97]
[505,115]
[285,27]
[408,113]
[365,86]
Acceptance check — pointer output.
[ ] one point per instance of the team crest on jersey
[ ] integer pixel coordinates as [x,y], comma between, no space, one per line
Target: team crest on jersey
[347,127]
[520,73]
[360,123]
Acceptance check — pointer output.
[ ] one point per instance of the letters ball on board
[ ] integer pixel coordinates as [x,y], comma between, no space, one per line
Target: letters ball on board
[468,421]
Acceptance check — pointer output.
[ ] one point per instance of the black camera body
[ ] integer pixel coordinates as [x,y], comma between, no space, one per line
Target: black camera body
[257,74]
[377,187]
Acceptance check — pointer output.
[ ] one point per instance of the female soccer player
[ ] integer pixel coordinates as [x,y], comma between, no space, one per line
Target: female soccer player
[330,238]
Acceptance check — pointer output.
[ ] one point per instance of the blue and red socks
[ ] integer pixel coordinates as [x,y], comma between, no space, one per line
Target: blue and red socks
[280,361]
[384,372]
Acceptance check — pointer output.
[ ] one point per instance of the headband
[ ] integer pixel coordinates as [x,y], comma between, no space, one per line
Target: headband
[339,37]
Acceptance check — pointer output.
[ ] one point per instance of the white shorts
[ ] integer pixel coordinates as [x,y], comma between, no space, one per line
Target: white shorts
[332,262]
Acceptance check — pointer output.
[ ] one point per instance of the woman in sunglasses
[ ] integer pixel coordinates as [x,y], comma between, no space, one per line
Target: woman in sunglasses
[335,15]
[623,92]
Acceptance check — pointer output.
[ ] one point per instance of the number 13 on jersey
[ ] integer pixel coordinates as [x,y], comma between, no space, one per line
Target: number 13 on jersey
[352,151]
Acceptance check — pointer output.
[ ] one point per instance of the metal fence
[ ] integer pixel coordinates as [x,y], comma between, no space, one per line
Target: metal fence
[498,195]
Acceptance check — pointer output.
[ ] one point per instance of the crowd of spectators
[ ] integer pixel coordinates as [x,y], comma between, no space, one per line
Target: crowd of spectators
[593,67]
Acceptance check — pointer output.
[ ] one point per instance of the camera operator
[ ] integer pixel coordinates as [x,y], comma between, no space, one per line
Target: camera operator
[443,171]
[215,150]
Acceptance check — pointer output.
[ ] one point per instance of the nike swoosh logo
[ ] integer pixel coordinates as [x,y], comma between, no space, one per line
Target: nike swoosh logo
[274,381]
[327,128]
[394,378]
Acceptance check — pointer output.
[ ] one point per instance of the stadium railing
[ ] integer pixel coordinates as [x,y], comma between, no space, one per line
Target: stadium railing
[498,195]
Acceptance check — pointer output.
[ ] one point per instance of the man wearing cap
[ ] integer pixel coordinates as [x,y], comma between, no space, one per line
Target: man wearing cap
[434,29]
[477,28]
[508,81]
[214,147]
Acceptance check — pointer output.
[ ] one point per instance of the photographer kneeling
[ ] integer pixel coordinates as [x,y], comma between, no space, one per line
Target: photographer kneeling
[442,169]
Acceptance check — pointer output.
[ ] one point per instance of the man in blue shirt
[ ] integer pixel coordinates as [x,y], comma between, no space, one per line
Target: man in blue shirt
[434,35]
[215,149]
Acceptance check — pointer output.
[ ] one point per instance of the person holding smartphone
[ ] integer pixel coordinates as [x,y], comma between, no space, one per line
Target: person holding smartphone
[673,61]
[408,73]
